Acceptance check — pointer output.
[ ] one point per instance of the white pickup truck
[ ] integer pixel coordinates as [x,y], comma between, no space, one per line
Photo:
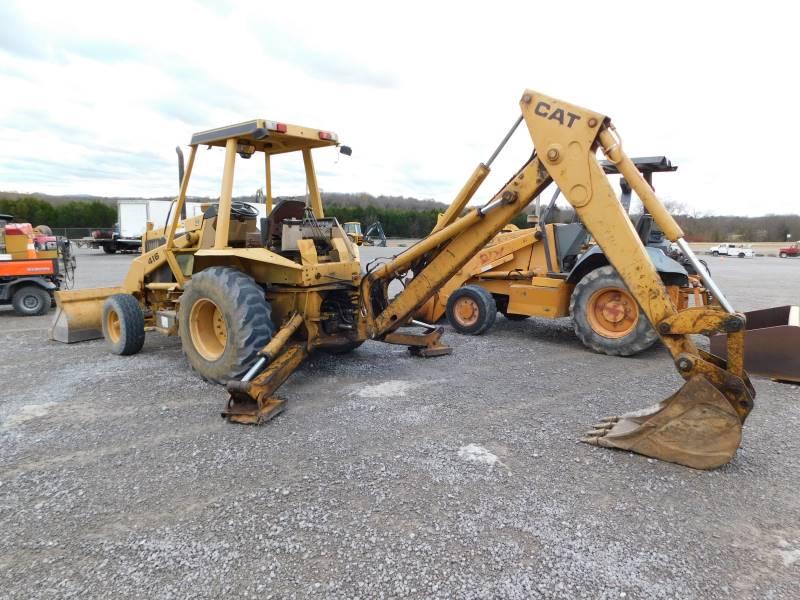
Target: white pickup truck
[739,250]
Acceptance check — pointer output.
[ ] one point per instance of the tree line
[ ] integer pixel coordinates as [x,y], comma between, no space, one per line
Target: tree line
[397,222]
[67,214]
[403,217]
[768,228]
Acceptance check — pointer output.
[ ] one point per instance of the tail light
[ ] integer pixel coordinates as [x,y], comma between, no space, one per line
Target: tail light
[275,126]
[329,136]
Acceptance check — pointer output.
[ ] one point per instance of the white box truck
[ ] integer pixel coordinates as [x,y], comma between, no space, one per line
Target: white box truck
[132,219]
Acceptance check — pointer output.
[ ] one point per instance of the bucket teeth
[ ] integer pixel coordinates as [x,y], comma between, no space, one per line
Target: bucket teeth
[604,425]
[597,432]
[696,427]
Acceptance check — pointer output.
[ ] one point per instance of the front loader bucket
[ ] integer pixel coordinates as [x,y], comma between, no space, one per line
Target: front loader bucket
[771,343]
[696,427]
[79,314]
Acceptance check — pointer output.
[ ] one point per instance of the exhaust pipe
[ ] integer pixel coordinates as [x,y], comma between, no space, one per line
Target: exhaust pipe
[180,178]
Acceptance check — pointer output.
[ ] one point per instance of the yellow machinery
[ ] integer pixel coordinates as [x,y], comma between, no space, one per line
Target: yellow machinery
[249,307]
[553,270]
[353,230]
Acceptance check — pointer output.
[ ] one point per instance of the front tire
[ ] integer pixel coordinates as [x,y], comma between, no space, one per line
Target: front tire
[715,253]
[123,324]
[782,255]
[471,310]
[607,318]
[224,320]
[31,301]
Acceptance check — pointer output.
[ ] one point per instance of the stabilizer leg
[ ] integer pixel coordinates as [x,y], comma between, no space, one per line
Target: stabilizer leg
[252,402]
[426,345]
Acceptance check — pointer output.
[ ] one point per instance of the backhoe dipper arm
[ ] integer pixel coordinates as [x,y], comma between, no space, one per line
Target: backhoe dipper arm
[567,137]
[699,426]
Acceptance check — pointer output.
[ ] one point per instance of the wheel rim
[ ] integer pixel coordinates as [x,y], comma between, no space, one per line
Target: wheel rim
[466,311]
[612,313]
[113,326]
[207,329]
[30,302]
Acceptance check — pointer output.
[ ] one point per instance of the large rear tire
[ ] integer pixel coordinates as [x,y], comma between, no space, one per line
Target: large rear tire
[607,318]
[123,324]
[224,319]
[471,310]
[110,248]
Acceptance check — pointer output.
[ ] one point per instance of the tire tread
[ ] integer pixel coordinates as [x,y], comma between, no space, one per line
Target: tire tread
[41,293]
[645,336]
[486,304]
[248,309]
[131,320]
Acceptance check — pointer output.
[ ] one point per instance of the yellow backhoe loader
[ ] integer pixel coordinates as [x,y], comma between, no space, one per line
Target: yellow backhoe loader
[353,230]
[553,270]
[249,306]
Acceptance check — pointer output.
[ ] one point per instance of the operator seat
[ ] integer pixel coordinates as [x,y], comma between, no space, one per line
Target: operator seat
[272,226]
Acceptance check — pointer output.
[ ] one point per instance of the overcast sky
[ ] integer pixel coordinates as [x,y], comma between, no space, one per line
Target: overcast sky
[95,96]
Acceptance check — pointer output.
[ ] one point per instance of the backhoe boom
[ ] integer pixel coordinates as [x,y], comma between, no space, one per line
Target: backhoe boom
[700,426]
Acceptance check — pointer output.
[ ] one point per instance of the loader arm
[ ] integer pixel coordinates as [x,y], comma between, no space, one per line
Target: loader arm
[700,426]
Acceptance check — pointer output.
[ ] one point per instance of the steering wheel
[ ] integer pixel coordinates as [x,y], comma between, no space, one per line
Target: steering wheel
[243,210]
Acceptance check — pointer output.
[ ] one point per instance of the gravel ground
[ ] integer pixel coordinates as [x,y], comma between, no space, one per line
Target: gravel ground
[387,476]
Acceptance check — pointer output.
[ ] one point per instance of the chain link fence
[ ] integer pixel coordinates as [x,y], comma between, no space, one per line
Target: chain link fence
[76,233]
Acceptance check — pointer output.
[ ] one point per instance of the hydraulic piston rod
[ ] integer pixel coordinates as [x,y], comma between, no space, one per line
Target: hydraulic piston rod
[612,147]
[704,274]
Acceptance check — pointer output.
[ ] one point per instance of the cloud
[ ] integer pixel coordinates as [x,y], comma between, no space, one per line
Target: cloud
[325,64]
[17,37]
[20,38]
[103,50]
[184,109]
[105,164]
[95,95]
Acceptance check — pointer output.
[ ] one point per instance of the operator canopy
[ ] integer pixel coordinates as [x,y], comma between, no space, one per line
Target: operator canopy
[272,137]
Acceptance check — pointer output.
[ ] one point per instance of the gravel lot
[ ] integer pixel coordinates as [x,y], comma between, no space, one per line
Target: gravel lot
[387,476]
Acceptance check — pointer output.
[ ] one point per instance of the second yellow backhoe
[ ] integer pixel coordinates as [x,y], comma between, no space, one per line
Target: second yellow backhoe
[554,270]
[251,305]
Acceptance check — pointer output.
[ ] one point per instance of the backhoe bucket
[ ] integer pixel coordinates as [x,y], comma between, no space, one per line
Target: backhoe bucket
[696,427]
[771,343]
[79,314]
